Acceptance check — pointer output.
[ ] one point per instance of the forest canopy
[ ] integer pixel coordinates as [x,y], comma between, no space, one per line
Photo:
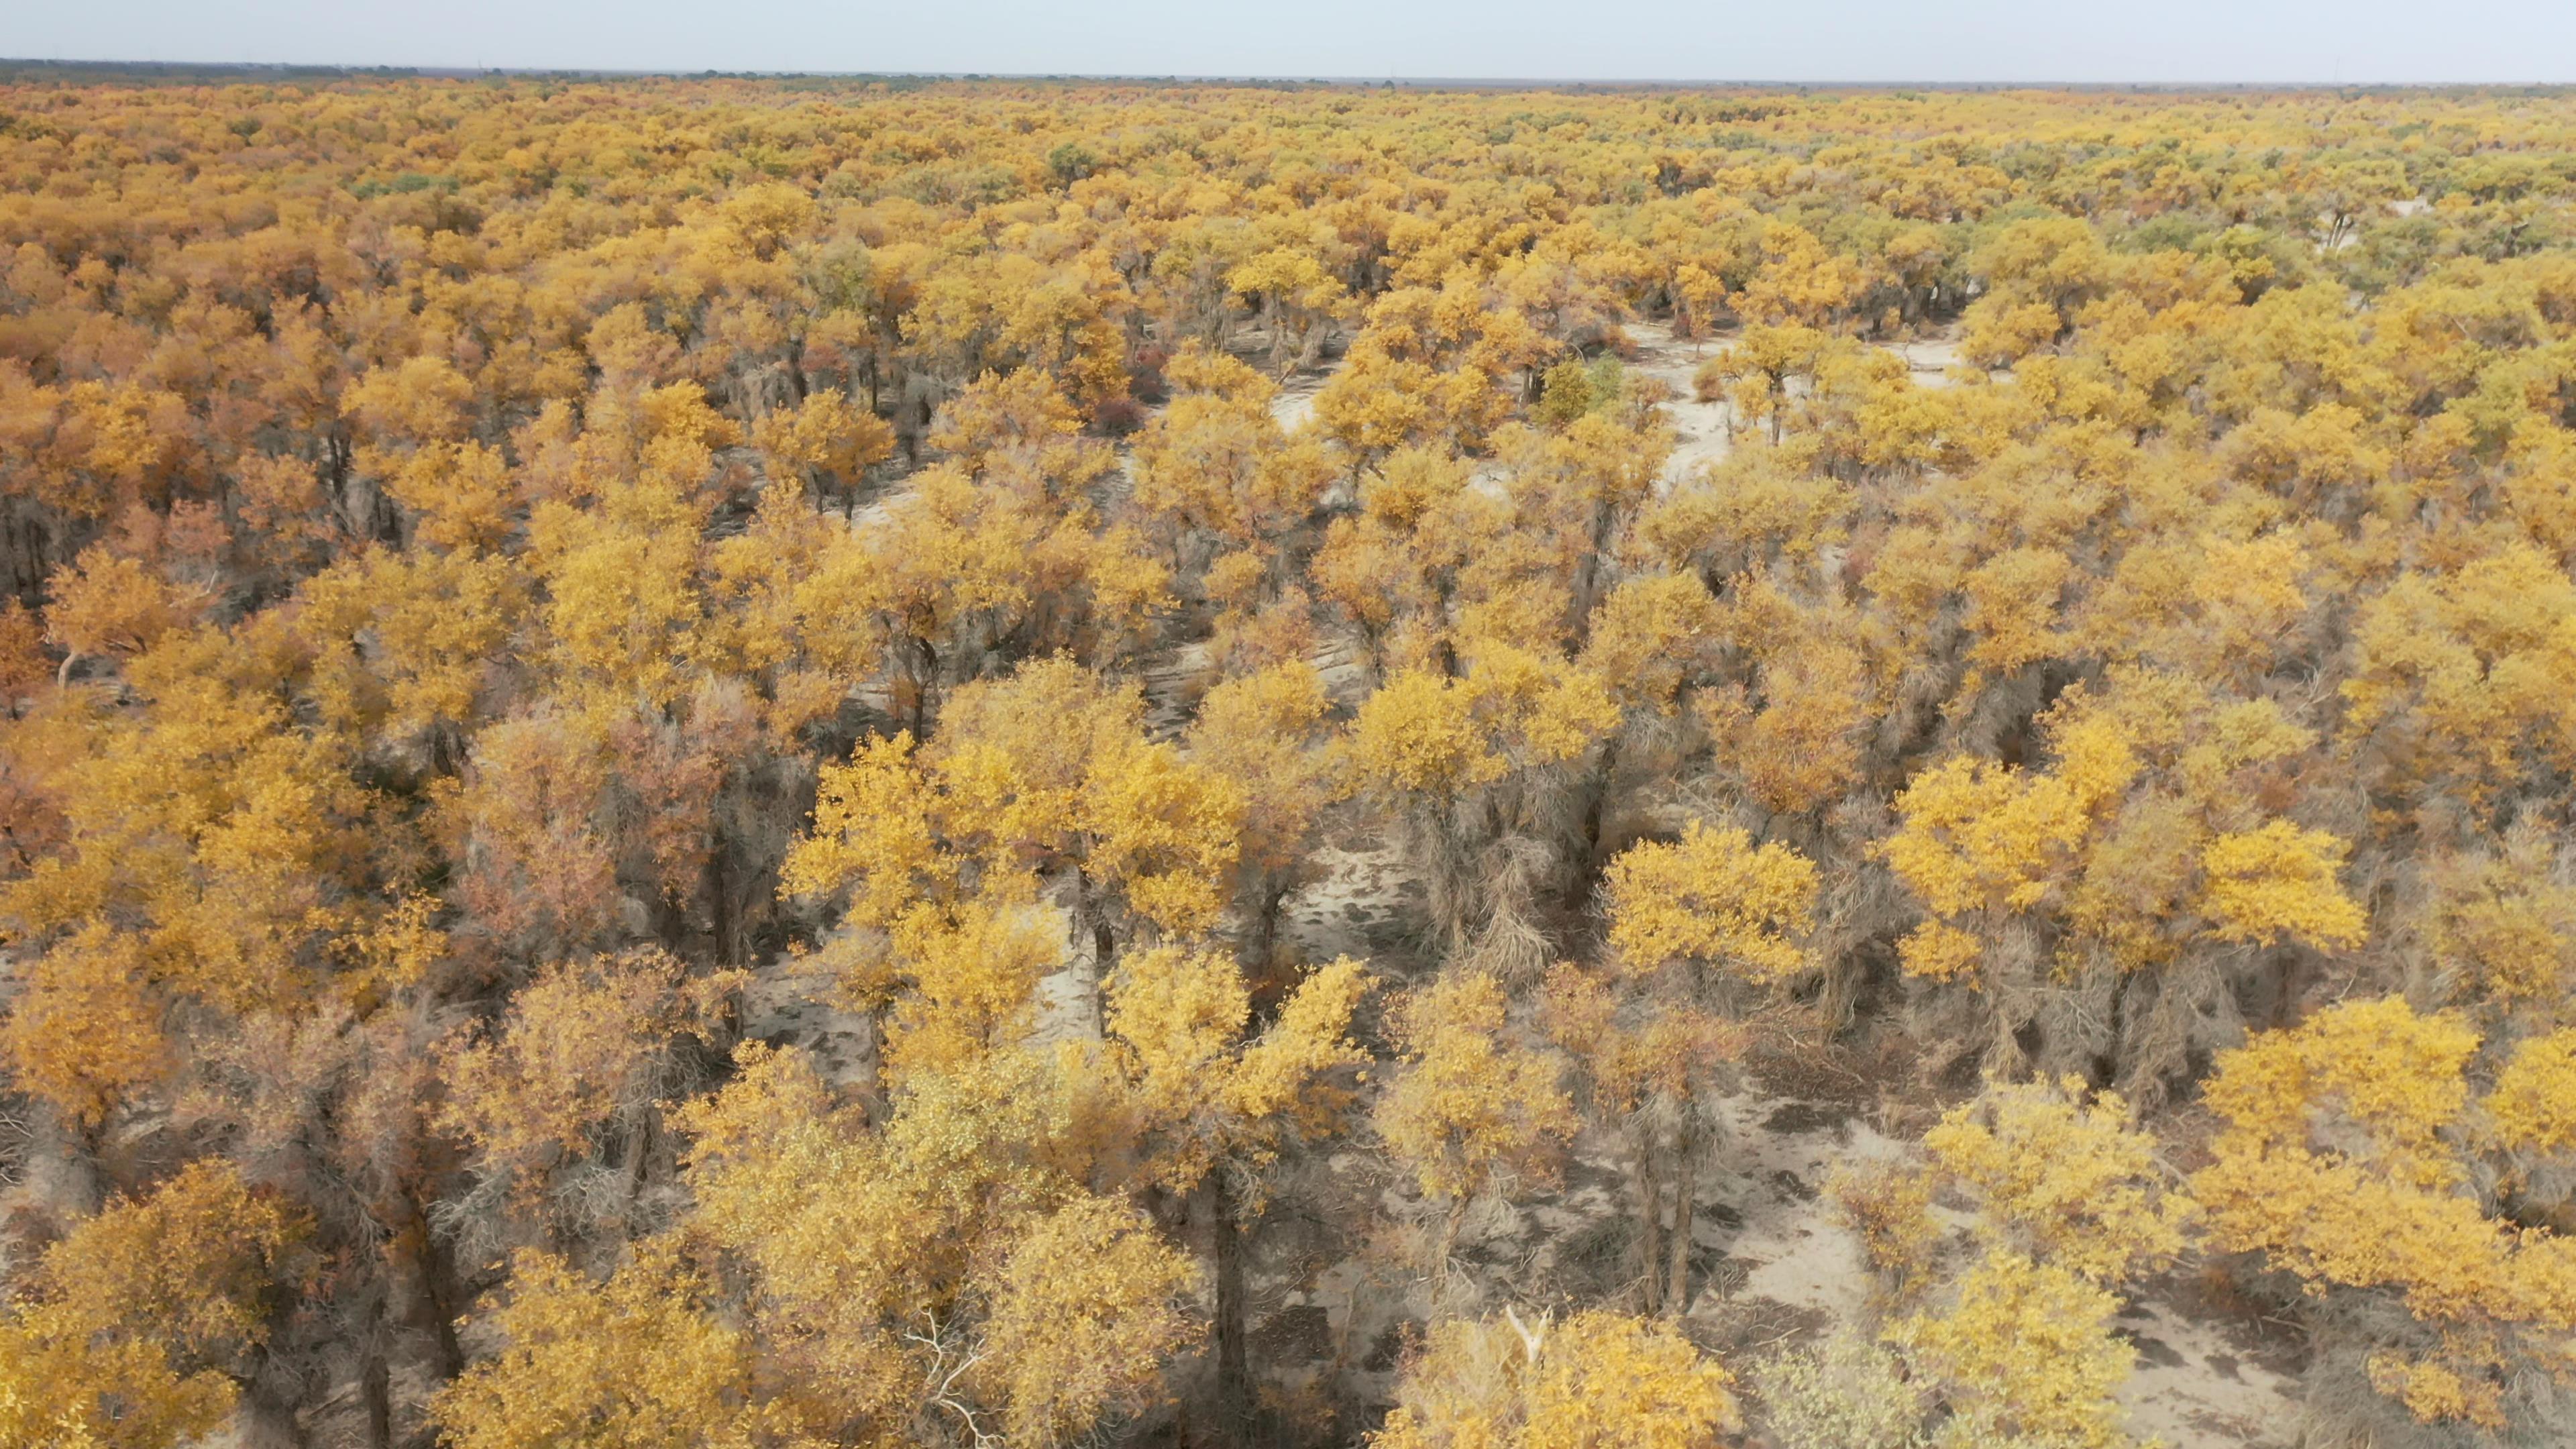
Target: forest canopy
[776,764]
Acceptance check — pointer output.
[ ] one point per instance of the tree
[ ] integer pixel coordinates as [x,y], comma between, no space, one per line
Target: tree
[1470,762]
[1691,923]
[85,1030]
[571,1077]
[1216,470]
[1845,1393]
[1296,298]
[208,847]
[149,1318]
[1581,488]
[1210,1105]
[1044,772]
[951,569]
[403,646]
[1394,570]
[1753,377]
[1598,1379]
[1470,1107]
[2040,271]
[2447,686]
[2025,1356]
[111,606]
[2345,1163]
[1712,898]
[825,441]
[1097,1267]
[1267,733]
[2140,859]
[2062,1181]
[638,1359]
[955,1277]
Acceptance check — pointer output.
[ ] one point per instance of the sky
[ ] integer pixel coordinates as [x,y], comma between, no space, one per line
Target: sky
[2103,41]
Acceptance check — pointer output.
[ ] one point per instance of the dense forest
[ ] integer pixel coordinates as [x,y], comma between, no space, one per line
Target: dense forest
[775,764]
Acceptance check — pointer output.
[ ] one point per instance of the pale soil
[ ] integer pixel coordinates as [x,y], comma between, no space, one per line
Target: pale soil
[2204,1380]
[1702,432]
[1929,361]
[1295,402]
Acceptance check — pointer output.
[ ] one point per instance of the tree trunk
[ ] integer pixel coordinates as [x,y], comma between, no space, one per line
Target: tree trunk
[2287,983]
[424,1278]
[448,748]
[1650,1220]
[2005,1059]
[1677,1299]
[638,1150]
[266,1416]
[925,669]
[1450,1223]
[1233,1362]
[1589,573]
[375,1383]
[720,902]
[1596,810]
[1449,863]
[1089,918]
[1262,940]
[62,1165]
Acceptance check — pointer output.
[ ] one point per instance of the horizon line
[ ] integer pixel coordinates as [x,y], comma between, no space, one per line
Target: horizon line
[399,70]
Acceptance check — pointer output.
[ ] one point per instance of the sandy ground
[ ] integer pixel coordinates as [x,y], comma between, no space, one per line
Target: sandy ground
[1701,431]
[2203,1381]
[1929,361]
[1704,432]
[1295,401]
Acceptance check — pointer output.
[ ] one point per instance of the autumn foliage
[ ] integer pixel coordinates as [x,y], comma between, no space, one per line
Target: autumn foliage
[795,763]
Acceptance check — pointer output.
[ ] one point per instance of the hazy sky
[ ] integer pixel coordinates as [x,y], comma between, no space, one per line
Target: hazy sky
[1863,40]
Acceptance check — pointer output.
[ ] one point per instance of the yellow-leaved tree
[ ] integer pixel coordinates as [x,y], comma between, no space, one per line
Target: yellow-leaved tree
[1597,1380]
[1473,764]
[641,1358]
[2024,1355]
[1269,734]
[1697,927]
[2356,1157]
[1045,773]
[2069,1206]
[2062,1179]
[2144,866]
[561,1097]
[1472,1105]
[140,1329]
[1208,1103]
[941,1272]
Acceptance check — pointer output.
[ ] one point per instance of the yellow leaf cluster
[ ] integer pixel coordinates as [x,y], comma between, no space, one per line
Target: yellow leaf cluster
[1713,897]
[2343,1162]
[1469,1103]
[2062,1180]
[1598,1380]
[2026,1355]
